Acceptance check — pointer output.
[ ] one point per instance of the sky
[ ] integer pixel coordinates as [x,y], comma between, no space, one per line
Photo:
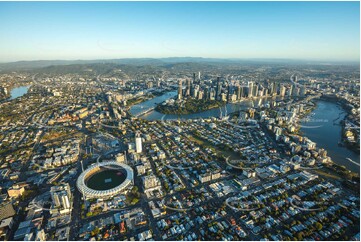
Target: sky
[107,30]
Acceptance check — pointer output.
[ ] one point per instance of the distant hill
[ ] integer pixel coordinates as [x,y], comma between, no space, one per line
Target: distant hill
[28,65]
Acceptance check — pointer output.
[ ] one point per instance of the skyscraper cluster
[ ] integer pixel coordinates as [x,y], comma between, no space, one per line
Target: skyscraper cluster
[231,91]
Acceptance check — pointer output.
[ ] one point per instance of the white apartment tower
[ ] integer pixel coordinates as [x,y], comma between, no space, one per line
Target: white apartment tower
[138,142]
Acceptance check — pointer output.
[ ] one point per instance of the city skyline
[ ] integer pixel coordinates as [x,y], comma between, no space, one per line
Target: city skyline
[325,31]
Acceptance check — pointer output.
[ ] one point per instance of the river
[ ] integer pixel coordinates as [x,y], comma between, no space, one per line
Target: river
[324,129]
[18,92]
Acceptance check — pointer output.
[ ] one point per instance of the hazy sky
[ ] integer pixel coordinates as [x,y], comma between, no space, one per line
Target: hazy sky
[98,30]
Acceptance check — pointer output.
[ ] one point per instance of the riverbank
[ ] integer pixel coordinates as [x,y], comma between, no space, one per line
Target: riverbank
[354,146]
[138,100]
[189,106]
[321,129]
[147,97]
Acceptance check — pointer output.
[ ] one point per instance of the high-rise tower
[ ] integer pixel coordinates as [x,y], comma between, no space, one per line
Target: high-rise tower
[138,142]
[180,89]
[188,91]
[219,88]
[250,89]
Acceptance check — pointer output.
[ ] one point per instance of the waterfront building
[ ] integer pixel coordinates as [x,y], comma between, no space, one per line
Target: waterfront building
[301,108]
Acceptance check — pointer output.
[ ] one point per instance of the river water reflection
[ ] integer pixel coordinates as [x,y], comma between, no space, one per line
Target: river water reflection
[327,135]
[18,92]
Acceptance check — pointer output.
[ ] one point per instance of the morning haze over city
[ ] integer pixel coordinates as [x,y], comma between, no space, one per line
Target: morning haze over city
[180,121]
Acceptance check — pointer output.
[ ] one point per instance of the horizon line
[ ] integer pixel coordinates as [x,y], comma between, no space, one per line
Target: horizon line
[194,57]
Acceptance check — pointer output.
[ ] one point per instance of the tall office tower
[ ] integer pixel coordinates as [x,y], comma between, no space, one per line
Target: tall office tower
[290,91]
[109,97]
[250,89]
[229,92]
[295,78]
[212,94]
[199,75]
[301,108]
[271,87]
[265,92]
[188,91]
[219,89]
[180,89]
[303,91]
[282,90]
[200,95]
[255,88]
[195,91]
[295,89]
[239,93]
[206,93]
[274,92]
[224,97]
[138,142]
[194,78]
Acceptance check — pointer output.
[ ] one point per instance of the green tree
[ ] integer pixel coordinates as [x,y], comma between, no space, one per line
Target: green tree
[299,236]
[134,201]
[318,226]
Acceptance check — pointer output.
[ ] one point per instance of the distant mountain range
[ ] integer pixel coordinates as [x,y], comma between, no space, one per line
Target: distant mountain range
[28,65]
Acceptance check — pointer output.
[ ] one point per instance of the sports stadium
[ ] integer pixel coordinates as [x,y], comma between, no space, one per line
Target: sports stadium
[105,179]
